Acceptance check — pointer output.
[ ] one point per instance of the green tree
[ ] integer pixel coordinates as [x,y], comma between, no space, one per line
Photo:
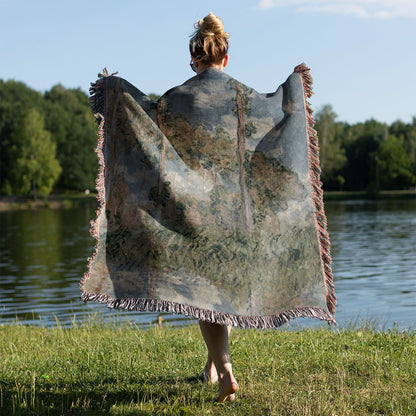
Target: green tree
[361,142]
[15,92]
[8,113]
[394,164]
[71,123]
[35,167]
[15,99]
[408,133]
[332,154]
[153,96]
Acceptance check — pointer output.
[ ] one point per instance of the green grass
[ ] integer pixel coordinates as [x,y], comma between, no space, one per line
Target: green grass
[108,369]
[344,195]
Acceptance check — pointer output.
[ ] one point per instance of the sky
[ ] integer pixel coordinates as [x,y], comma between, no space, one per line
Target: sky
[362,53]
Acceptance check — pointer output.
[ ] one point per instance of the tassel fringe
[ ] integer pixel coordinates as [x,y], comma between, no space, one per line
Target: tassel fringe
[257,322]
[97,103]
[316,186]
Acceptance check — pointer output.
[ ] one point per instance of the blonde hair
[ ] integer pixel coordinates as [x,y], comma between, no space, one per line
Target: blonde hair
[209,42]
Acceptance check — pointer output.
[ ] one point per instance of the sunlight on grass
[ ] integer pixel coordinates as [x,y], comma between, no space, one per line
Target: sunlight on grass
[118,369]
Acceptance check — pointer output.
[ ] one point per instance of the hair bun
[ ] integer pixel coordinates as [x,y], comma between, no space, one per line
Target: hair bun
[209,43]
[210,25]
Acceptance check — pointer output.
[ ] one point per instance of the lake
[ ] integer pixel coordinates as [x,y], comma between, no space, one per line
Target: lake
[43,257]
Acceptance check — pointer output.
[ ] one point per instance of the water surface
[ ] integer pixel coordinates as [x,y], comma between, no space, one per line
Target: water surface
[43,257]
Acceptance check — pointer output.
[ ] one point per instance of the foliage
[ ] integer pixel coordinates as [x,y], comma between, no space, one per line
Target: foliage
[16,99]
[394,163]
[70,129]
[153,96]
[71,123]
[332,154]
[365,156]
[35,168]
[105,369]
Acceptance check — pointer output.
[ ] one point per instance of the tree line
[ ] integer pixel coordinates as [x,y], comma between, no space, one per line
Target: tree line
[47,143]
[47,140]
[369,156]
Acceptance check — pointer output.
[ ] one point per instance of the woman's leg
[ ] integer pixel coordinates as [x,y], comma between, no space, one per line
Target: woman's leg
[209,374]
[216,339]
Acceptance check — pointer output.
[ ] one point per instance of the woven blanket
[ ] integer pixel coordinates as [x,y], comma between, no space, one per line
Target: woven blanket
[210,202]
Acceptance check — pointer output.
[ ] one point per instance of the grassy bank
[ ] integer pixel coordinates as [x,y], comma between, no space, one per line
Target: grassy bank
[107,370]
[8,203]
[344,195]
[63,201]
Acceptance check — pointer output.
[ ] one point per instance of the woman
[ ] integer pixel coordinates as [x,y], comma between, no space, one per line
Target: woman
[211,204]
[209,49]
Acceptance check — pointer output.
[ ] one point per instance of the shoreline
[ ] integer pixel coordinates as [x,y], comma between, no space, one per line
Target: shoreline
[59,201]
[348,195]
[67,201]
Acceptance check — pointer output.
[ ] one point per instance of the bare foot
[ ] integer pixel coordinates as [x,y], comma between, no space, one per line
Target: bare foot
[228,388]
[209,375]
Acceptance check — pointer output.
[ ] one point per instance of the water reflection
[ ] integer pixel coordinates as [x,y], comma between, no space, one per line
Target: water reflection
[43,257]
[375,260]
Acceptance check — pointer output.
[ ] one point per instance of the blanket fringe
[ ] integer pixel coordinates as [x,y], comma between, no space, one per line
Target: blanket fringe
[317,192]
[97,103]
[245,322]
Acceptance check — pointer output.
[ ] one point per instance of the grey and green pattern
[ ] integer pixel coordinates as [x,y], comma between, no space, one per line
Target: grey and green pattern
[208,206]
